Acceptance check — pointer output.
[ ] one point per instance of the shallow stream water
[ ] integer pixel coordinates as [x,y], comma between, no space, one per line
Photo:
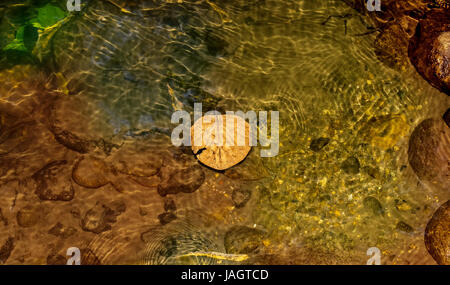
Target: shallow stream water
[128,67]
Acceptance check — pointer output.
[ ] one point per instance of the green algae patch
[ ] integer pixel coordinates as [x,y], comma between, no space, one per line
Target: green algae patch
[33,31]
[48,16]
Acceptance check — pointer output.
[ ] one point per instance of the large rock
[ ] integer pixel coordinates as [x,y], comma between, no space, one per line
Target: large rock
[437,235]
[429,152]
[429,49]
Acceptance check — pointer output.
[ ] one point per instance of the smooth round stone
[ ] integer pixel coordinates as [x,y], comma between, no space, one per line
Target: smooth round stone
[90,172]
[429,49]
[429,152]
[437,235]
[214,151]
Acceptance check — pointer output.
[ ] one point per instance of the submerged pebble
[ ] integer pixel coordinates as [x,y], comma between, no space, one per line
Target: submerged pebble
[373,205]
[90,172]
[166,217]
[372,172]
[28,216]
[240,197]
[72,141]
[351,165]
[318,144]
[404,227]
[101,217]
[53,182]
